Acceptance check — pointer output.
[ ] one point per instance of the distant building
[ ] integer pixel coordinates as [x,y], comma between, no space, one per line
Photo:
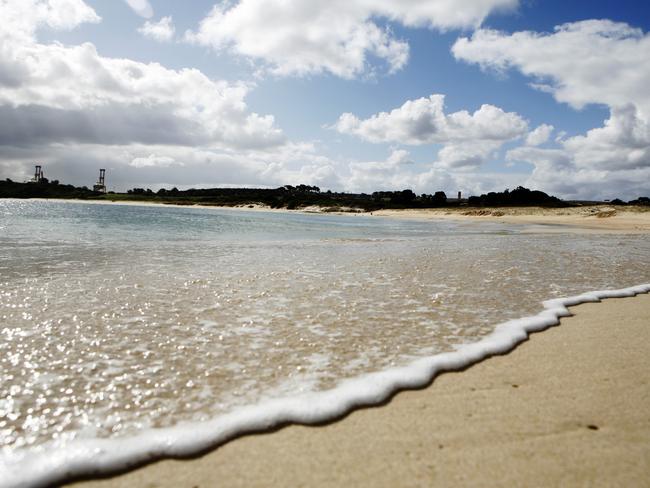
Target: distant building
[457,200]
[100,185]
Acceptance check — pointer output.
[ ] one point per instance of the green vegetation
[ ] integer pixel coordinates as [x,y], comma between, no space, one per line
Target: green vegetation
[518,197]
[43,189]
[291,197]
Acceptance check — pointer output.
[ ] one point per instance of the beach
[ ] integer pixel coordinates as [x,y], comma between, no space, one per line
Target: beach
[598,218]
[186,329]
[594,218]
[566,408]
[268,243]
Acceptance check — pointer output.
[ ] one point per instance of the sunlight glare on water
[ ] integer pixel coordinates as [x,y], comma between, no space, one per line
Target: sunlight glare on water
[116,318]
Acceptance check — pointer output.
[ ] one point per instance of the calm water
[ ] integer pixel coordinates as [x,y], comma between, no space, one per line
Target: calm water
[115,319]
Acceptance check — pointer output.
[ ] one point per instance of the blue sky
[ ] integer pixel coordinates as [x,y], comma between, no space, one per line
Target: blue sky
[269,107]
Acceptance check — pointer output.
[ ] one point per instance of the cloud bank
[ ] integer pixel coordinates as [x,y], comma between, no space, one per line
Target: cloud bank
[64,105]
[589,62]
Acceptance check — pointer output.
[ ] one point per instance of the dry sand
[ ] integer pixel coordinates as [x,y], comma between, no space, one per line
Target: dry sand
[596,218]
[570,407]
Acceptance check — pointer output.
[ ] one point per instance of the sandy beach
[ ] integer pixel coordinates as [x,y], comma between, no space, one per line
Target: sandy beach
[596,218]
[566,408]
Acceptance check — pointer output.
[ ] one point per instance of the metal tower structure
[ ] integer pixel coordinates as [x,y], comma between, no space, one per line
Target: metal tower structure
[100,186]
[38,174]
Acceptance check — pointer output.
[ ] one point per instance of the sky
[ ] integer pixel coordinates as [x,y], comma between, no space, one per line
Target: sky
[351,95]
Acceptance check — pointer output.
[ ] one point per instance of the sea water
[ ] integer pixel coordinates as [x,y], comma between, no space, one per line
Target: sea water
[128,330]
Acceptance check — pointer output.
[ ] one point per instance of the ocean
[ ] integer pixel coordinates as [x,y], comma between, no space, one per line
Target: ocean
[129,332]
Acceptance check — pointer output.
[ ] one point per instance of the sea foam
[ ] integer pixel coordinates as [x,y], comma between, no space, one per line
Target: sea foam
[56,462]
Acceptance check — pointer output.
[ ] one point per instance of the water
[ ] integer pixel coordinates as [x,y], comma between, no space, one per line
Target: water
[118,319]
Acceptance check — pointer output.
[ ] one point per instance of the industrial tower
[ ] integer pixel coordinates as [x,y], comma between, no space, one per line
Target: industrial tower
[38,174]
[100,186]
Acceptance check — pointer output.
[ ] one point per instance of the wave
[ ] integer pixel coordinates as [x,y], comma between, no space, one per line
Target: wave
[56,462]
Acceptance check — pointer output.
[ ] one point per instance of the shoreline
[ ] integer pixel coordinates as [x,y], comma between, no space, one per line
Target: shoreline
[496,419]
[591,218]
[601,218]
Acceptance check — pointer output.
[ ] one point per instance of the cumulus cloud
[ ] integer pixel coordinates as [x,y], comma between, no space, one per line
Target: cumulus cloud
[593,61]
[581,63]
[468,138]
[21,18]
[398,171]
[423,121]
[556,172]
[74,93]
[539,135]
[467,155]
[294,37]
[398,160]
[612,161]
[75,110]
[161,31]
[623,142]
[141,7]
[56,93]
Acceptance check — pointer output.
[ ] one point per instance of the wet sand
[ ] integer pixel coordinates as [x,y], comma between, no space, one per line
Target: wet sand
[569,407]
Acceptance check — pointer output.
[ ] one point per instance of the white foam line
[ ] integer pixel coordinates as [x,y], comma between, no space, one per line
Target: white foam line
[85,458]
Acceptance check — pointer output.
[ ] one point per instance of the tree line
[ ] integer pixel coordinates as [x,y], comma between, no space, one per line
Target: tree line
[293,197]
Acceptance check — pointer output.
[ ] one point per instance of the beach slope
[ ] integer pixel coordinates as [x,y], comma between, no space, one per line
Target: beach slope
[569,407]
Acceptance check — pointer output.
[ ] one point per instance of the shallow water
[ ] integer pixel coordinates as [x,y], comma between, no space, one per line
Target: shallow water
[115,319]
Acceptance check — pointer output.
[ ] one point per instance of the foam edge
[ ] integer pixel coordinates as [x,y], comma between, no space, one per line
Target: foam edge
[54,464]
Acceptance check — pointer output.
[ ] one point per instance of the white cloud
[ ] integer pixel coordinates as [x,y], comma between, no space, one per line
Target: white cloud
[588,62]
[423,121]
[612,161]
[398,160]
[467,155]
[468,138]
[161,31]
[623,142]
[76,110]
[160,165]
[399,172]
[593,61]
[57,93]
[539,135]
[556,173]
[21,18]
[154,160]
[141,7]
[295,37]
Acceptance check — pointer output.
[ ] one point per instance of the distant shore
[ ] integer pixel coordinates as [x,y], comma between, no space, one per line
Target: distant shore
[590,218]
[608,218]
[566,408]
